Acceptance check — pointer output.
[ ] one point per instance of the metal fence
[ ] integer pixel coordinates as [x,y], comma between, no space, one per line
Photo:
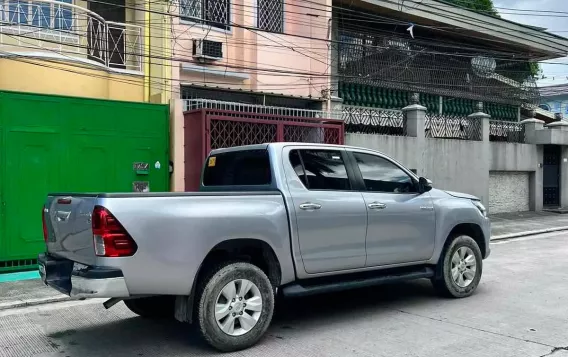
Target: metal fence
[506,132]
[374,121]
[194,104]
[208,129]
[452,127]
[69,30]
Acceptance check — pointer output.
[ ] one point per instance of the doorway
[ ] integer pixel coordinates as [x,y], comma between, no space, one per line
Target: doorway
[551,176]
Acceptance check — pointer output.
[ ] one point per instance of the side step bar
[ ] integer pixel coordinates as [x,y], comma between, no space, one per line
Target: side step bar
[305,289]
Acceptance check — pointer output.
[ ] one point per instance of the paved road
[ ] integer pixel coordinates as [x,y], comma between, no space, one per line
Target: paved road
[520,310]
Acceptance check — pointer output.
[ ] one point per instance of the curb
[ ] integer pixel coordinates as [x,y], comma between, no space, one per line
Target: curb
[529,233]
[32,302]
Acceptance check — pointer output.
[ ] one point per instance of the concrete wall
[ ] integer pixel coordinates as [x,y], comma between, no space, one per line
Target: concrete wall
[403,149]
[464,166]
[508,191]
[66,79]
[513,157]
[457,165]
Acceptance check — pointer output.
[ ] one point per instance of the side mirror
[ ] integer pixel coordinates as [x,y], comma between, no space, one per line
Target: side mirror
[424,185]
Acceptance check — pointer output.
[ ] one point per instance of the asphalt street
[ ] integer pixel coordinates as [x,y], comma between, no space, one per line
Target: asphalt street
[520,309]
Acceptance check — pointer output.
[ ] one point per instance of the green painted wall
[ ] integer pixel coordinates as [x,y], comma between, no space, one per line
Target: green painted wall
[54,143]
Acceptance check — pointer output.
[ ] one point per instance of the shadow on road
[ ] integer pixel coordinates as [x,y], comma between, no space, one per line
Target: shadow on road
[136,336]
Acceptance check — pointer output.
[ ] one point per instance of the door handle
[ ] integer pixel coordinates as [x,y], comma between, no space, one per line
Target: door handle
[376,205]
[310,206]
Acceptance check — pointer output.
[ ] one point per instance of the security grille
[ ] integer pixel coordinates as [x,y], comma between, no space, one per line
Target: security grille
[210,12]
[270,15]
[374,121]
[452,127]
[506,131]
[207,129]
[305,134]
[384,55]
[228,133]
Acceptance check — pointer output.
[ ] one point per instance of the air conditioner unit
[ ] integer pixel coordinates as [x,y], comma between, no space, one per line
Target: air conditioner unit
[207,49]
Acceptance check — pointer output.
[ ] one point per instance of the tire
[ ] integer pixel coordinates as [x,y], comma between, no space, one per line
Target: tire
[213,291]
[462,247]
[156,307]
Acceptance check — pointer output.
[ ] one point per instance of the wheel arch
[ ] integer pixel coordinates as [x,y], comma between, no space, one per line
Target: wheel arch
[252,250]
[469,229]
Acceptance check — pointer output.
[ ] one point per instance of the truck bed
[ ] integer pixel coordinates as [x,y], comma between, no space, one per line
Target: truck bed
[172,231]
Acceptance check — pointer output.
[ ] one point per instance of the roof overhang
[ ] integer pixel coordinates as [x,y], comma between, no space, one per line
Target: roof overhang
[542,45]
[553,91]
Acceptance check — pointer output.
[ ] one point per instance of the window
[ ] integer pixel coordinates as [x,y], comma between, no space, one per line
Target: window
[215,13]
[381,175]
[270,16]
[320,169]
[238,168]
[544,106]
[57,15]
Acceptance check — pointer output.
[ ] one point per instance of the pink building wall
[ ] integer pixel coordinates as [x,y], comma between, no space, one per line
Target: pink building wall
[250,51]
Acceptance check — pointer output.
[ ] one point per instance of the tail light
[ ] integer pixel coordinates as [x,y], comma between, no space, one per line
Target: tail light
[45,234]
[110,237]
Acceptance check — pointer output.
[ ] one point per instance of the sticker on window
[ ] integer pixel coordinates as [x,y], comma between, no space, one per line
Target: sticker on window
[212,161]
[336,157]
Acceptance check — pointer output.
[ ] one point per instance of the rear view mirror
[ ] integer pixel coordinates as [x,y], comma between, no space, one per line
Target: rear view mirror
[424,185]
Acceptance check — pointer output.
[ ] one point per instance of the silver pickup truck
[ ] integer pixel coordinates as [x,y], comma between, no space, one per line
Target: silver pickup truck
[283,218]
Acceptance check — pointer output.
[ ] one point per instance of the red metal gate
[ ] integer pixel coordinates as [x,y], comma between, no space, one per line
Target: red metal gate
[209,129]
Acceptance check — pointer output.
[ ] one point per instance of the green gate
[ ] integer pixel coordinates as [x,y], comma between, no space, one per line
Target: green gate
[63,144]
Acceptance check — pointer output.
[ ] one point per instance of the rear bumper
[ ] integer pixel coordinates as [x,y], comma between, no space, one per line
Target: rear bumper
[81,281]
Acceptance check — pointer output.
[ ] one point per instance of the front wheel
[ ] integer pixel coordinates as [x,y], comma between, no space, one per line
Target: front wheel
[459,270]
[235,306]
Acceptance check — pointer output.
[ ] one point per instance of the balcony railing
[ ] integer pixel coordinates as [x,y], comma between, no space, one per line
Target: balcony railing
[70,31]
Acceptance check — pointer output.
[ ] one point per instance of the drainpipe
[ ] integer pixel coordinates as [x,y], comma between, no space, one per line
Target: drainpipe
[329,61]
[147,51]
[167,43]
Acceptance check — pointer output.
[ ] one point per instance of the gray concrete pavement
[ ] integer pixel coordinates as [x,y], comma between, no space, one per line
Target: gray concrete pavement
[519,310]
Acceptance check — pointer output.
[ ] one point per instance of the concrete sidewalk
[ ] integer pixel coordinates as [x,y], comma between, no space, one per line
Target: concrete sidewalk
[511,225]
[16,294]
[24,293]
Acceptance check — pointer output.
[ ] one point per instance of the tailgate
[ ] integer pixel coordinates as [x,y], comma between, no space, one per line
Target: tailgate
[68,223]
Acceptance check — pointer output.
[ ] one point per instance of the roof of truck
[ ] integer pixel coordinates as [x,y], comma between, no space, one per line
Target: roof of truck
[280,145]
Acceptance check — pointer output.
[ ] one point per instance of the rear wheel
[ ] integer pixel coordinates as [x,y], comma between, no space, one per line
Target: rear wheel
[459,270]
[235,303]
[156,307]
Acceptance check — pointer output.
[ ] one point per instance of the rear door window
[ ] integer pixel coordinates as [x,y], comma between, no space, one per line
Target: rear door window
[238,168]
[320,169]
